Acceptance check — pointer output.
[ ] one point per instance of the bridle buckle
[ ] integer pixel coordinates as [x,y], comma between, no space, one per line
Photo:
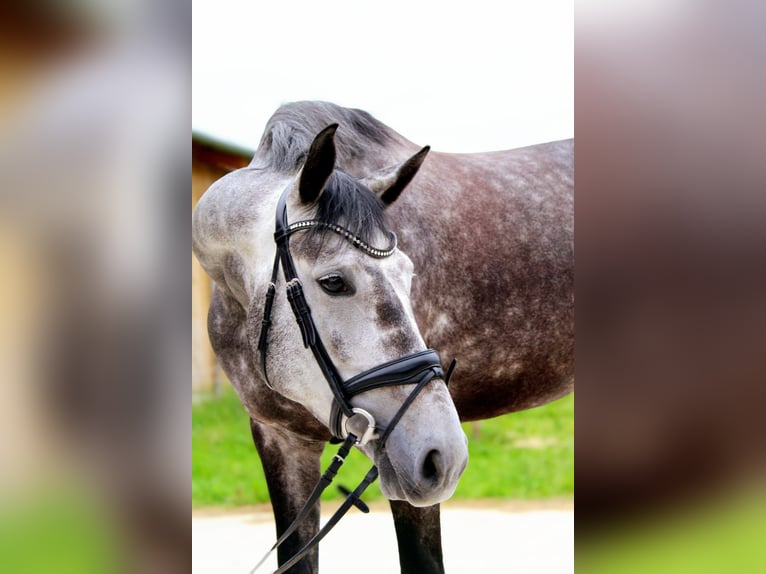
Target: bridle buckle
[361,424]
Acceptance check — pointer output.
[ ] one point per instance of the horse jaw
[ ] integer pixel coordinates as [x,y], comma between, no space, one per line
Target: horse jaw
[426,453]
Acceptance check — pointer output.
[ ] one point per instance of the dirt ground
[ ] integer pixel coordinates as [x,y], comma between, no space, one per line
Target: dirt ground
[519,538]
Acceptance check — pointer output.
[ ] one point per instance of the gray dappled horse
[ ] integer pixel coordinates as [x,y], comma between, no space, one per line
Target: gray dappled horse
[483,271]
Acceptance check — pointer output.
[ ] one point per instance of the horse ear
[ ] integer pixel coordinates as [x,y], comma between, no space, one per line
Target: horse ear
[389,185]
[320,163]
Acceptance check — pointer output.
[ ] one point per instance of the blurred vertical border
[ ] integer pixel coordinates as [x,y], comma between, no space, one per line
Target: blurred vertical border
[94,296]
[671,286]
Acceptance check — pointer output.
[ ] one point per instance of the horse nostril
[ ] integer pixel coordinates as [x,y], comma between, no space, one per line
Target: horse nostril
[431,466]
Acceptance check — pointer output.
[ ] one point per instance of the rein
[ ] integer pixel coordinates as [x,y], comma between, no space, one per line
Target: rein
[349,425]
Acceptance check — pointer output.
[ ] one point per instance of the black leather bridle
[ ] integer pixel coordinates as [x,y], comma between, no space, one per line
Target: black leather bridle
[349,425]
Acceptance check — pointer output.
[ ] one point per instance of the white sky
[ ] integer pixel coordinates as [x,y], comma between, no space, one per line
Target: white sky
[460,76]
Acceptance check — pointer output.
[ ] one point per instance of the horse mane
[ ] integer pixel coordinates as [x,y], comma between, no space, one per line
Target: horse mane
[291,129]
[345,200]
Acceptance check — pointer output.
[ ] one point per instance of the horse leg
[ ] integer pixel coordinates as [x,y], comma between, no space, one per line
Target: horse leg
[418,533]
[291,466]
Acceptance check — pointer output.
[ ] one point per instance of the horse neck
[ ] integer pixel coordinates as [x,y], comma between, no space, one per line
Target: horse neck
[364,163]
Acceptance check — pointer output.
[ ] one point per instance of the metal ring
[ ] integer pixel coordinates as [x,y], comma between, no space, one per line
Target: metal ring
[368,433]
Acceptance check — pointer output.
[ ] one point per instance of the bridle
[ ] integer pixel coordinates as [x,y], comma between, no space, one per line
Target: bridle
[349,425]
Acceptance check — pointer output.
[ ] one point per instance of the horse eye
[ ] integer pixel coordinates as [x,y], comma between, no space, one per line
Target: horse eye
[334,285]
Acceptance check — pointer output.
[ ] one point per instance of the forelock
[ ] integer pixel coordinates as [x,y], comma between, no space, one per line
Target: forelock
[347,202]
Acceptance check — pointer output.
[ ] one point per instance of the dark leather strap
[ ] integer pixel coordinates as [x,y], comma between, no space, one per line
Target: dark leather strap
[302,312]
[402,371]
[407,370]
[263,339]
[313,498]
[300,308]
[425,379]
[350,501]
[353,498]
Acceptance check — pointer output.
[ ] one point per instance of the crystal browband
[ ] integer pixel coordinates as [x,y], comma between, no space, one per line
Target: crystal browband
[346,234]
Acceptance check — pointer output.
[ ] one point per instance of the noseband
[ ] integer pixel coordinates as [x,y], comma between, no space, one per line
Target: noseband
[349,425]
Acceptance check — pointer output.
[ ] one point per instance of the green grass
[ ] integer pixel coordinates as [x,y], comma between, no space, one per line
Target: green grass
[722,534]
[527,455]
[60,531]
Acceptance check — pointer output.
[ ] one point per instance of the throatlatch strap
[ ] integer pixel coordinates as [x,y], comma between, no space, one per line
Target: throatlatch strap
[263,339]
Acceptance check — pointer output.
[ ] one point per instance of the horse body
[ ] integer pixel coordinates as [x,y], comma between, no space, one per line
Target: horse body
[491,237]
[491,241]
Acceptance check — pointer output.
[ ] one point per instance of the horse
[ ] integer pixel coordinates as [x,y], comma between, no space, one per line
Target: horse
[471,253]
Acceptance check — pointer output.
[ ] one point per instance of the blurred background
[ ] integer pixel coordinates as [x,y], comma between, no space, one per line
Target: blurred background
[671,289]
[671,302]
[94,156]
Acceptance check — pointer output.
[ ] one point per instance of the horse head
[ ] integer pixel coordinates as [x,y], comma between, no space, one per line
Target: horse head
[356,285]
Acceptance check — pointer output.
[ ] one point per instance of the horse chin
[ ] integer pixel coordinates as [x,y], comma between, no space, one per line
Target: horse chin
[395,486]
[389,482]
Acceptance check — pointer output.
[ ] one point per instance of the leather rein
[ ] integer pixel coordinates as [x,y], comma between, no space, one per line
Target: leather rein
[349,425]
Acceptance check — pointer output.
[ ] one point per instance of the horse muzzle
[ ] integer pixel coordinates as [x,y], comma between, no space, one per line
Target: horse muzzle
[422,470]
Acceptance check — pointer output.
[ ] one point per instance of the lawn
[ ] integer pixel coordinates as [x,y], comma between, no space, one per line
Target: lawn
[527,455]
[723,533]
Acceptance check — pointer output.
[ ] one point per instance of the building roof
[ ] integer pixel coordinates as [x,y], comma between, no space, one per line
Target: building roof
[210,150]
